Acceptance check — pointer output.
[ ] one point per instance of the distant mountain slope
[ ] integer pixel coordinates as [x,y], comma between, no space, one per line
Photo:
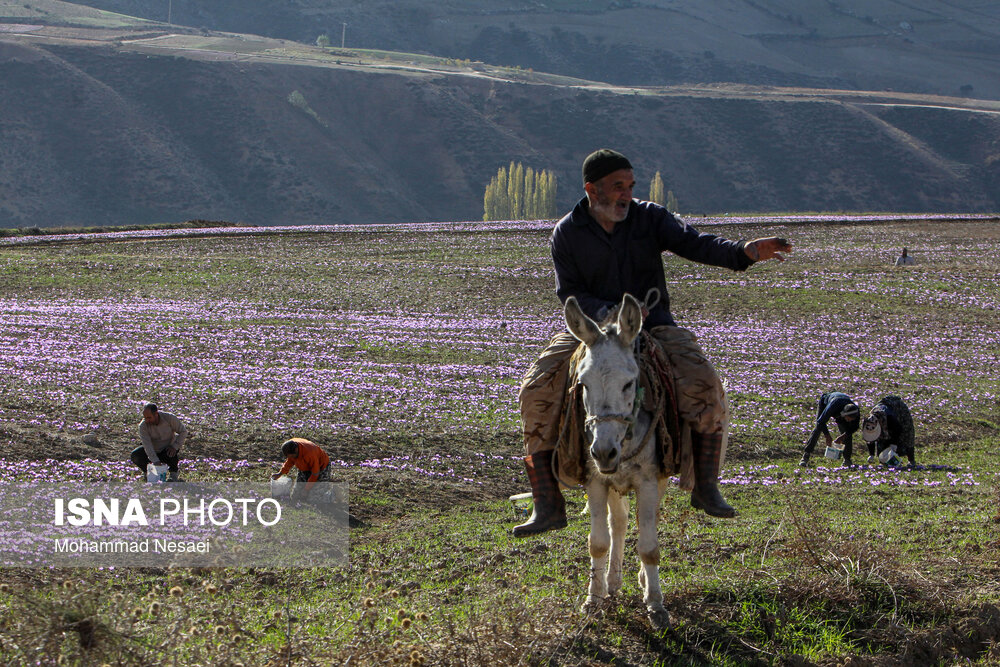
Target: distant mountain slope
[133,122]
[102,134]
[925,46]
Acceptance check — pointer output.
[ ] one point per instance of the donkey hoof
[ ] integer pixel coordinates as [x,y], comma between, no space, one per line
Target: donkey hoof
[659,618]
[593,605]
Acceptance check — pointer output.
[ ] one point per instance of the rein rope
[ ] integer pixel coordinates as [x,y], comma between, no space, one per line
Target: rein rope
[649,431]
[652,298]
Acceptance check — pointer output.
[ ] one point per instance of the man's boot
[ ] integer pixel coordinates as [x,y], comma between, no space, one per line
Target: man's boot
[549,511]
[705,495]
[805,461]
[173,476]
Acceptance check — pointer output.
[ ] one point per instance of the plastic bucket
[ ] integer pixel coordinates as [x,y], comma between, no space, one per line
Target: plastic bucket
[522,504]
[834,451]
[156,473]
[888,456]
[281,487]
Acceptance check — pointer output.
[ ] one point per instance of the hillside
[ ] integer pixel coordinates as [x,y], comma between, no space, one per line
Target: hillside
[923,46]
[129,122]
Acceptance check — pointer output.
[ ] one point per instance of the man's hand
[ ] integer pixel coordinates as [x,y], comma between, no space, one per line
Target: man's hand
[171,452]
[760,250]
[841,439]
[276,475]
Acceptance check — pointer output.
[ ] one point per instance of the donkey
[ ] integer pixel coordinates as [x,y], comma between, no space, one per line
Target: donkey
[622,458]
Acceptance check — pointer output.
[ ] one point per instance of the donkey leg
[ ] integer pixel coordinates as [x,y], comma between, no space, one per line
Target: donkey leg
[647,509]
[599,541]
[661,489]
[618,522]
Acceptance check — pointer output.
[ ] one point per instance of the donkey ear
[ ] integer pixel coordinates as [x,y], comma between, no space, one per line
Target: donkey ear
[629,319]
[582,327]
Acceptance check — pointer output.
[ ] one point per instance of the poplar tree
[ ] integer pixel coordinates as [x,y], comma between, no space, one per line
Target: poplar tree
[549,196]
[511,195]
[503,196]
[671,202]
[530,211]
[517,186]
[490,201]
[656,190]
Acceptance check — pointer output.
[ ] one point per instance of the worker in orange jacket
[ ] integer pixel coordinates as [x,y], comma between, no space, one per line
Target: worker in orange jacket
[312,462]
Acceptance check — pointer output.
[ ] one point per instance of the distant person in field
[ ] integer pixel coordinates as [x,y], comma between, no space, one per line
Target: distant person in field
[312,463]
[889,426]
[609,245]
[905,259]
[839,407]
[162,435]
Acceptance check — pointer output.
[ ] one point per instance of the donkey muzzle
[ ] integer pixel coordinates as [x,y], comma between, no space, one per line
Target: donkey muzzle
[605,449]
[606,459]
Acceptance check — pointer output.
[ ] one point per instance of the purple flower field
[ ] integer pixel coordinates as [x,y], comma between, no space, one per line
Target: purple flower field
[413,227]
[858,476]
[220,364]
[479,226]
[81,349]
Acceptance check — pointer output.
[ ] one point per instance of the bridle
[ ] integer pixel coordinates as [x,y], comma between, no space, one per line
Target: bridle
[628,420]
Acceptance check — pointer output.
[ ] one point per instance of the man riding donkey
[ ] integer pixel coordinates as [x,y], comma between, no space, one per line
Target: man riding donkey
[609,245]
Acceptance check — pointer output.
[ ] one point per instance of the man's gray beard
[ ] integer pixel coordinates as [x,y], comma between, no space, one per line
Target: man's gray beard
[609,211]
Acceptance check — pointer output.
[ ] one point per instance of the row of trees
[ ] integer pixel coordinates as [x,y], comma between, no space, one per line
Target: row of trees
[656,194]
[519,193]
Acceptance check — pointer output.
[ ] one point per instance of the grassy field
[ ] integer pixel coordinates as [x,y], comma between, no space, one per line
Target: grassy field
[399,349]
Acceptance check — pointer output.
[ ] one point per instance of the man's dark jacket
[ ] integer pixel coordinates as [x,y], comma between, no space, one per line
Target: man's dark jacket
[599,268]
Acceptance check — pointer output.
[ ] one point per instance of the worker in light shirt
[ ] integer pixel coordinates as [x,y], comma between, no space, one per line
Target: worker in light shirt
[162,435]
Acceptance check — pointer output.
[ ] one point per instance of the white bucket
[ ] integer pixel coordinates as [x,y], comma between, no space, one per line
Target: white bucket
[156,473]
[522,504]
[834,451]
[888,456]
[281,487]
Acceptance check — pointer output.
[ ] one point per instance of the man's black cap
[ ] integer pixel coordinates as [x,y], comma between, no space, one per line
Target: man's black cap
[602,162]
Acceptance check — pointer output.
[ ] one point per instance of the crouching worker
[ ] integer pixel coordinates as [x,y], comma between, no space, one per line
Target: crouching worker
[839,407]
[889,426]
[162,435]
[312,462]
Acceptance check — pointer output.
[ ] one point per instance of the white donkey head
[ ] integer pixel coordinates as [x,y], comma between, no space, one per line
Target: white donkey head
[610,378]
